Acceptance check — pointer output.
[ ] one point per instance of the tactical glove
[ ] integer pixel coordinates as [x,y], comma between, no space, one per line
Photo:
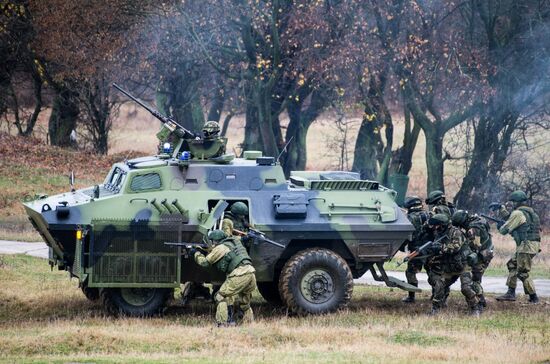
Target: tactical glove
[192,251]
[436,247]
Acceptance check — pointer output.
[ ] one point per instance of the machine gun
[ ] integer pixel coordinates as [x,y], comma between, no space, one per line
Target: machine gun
[169,124]
[421,250]
[499,222]
[257,234]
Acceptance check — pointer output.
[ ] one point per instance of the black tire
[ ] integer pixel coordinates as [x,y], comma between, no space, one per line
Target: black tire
[91,293]
[270,292]
[316,281]
[135,302]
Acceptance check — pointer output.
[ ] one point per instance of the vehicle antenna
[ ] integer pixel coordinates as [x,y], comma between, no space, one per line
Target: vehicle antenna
[284,149]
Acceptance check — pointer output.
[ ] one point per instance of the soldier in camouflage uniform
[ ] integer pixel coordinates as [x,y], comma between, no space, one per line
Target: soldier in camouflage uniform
[477,232]
[234,296]
[438,203]
[418,217]
[450,263]
[524,225]
[236,218]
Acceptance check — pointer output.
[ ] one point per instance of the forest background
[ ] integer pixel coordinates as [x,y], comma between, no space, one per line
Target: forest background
[466,82]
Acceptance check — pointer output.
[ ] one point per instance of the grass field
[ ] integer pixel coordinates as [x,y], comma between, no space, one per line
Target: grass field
[45,318]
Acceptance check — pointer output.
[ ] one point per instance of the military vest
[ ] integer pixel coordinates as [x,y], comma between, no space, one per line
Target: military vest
[530,230]
[483,227]
[236,256]
[456,261]
[418,218]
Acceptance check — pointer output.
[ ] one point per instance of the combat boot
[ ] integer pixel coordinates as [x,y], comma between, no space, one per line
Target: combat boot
[410,298]
[434,311]
[508,296]
[533,298]
[482,301]
[475,311]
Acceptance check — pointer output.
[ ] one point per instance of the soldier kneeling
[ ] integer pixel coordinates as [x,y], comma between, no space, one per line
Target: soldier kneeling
[230,257]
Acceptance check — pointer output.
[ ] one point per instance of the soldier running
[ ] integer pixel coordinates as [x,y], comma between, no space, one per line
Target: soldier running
[477,233]
[450,264]
[418,217]
[230,257]
[523,224]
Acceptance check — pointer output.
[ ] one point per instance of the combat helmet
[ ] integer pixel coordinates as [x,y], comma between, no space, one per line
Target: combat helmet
[517,196]
[460,218]
[216,235]
[239,209]
[412,201]
[210,129]
[434,197]
[439,220]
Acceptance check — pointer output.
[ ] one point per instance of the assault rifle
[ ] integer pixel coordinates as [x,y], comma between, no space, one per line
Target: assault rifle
[499,222]
[420,251]
[257,234]
[188,246]
[170,124]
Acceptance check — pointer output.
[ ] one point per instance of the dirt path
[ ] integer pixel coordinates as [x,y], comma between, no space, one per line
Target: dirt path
[490,284]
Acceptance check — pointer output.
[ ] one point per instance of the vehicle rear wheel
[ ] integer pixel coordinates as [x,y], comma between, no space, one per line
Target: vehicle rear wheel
[270,292]
[316,281]
[135,302]
[91,293]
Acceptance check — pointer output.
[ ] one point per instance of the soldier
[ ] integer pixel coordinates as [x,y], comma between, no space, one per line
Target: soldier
[476,230]
[211,130]
[524,226]
[438,204]
[418,217]
[450,254]
[236,218]
[230,257]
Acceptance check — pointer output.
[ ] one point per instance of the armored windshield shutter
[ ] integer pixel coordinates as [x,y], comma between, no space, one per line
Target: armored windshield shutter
[290,206]
[144,182]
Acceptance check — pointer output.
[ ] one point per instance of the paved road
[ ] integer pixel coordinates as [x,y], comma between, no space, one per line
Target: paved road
[490,284]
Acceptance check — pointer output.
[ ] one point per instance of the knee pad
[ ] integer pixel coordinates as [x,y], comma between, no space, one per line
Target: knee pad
[476,276]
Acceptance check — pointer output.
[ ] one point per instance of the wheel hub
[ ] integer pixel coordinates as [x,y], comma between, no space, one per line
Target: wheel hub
[317,286]
[137,296]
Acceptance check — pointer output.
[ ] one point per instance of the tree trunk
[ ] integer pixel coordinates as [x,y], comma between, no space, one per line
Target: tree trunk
[216,107]
[401,162]
[434,160]
[63,118]
[365,159]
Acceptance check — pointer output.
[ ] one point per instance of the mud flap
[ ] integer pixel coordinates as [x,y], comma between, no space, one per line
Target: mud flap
[391,281]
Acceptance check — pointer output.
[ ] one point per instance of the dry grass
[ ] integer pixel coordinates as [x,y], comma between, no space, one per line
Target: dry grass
[51,321]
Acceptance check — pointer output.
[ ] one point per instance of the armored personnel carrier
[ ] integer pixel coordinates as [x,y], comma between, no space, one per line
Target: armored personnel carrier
[124,239]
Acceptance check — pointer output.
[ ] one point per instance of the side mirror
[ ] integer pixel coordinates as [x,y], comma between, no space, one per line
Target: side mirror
[96,191]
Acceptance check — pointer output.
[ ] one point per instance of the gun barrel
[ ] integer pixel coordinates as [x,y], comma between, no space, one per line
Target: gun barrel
[155,113]
[498,221]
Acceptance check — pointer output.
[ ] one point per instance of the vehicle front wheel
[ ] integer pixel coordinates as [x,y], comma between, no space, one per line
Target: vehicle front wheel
[91,293]
[137,302]
[316,281]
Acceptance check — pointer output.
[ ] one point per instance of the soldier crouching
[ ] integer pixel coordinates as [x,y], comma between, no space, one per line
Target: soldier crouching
[230,257]
[451,252]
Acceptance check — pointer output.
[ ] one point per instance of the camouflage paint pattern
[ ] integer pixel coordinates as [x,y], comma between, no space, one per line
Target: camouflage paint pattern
[125,227]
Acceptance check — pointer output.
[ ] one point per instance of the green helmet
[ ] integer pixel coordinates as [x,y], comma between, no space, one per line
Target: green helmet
[216,235]
[460,218]
[439,220]
[211,128]
[435,196]
[517,196]
[239,209]
[412,201]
